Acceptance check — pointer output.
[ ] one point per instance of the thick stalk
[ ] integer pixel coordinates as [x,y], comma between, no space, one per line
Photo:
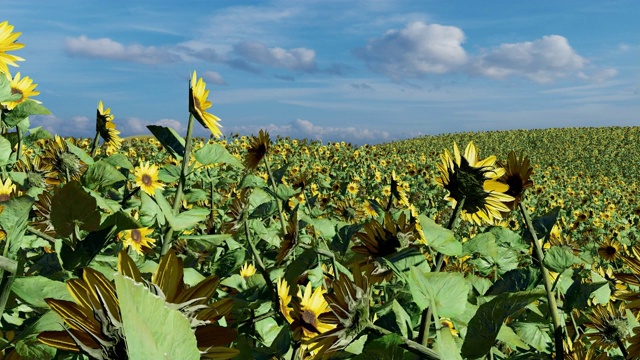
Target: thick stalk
[256,255]
[94,147]
[168,236]
[19,151]
[425,320]
[283,223]
[551,299]
[8,265]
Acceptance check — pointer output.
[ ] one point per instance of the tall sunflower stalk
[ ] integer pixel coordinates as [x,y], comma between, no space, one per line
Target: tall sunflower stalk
[517,175]
[198,104]
[476,194]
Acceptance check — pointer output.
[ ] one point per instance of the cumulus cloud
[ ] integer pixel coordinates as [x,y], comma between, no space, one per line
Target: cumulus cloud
[213,77]
[77,126]
[416,50]
[542,60]
[297,59]
[300,129]
[105,48]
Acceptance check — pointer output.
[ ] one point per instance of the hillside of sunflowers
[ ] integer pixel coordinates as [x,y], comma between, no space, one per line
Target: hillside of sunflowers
[517,244]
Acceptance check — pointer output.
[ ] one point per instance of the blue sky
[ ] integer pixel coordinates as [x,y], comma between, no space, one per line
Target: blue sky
[359,71]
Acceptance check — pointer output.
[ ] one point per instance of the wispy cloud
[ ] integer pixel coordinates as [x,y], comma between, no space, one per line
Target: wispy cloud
[105,48]
[296,59]
[213,77]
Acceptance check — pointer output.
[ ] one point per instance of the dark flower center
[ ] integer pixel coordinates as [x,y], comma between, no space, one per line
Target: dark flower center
[146,180]
[4,197]
[136,236]
[611,250]
[309,320]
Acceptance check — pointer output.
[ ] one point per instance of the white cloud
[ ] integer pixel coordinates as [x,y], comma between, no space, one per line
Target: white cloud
[418,49]
[300,129]
[105,48]
[213,77]
[297,59]
[542,60]
[75,126]
[136,126]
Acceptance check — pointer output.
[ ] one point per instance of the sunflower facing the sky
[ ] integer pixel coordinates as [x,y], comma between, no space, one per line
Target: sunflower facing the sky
[198,104]
[147,178]
[138,240]
[467,177]
[23,86]
[8,43]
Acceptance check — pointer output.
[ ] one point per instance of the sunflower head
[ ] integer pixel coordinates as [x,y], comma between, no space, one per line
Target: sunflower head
[517,176]
[609,249]
[290,239]
[65,164]
[106,127]
[608,324]
[306,314]
[258,149]
[8,43]
[198,104]
[7,190]
[138,240]
[24,87]
[474,180]
[147,177]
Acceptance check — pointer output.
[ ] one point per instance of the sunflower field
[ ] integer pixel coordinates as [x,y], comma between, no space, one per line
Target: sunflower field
[518,244]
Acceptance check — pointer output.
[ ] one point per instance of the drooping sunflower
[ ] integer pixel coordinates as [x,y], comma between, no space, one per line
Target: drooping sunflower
[106,127]
[258,149]
[39,173]
[467,177]
[147,178]
[517,175]
[198,104]
[607,326]
[66,165]
[8,43]
[138,240]
[23,86]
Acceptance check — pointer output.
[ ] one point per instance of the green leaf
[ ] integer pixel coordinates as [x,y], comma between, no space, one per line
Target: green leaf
[5,149]
[81,154]
[72,206]
[446,346]
[171,141]
[13,220]
[324,227]
[535,335]
[602,295]
[579,293]
[341,240]
[202,243]
[119,160]
[268,330]
[150,212]
[216,154]
[188,219]
[486,323]
[5,90]
[169,174]
[38,133]
[23,111]
[439,238]
[543,225]
[101,174]
[509,337]
[447,291]
[86,250]
[30,348]
[388,347]
[151,329]
[230,262]
[34,289]
[515,280]
[307,260]
[559,258]
[483,244]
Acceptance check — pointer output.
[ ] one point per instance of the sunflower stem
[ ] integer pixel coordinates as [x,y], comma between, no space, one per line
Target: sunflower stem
[19,150]
[411,345]
[168,236]
[256,255]
[622,348]
[425,320]
[551,299]
[41,235]
[8,265]
[94,147]
[283,223]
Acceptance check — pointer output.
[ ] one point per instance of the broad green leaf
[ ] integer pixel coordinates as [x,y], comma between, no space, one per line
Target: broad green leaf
[202,243]
[543,225]
[388,347]
[447,291]
[5,149]
[169,173]
[284,192]
[559,258]
[101,174]
[486,323]
[509,337]
[307,260]
[188,219]
[5,91]
[341,240]
[216,154]
[171,141]
[38,133]
[579,293]
[81,154]
[230,262]
[483,244]
[439,238]
[13,220]
[535,334]
[603,294]
[446,345]
[515,280]
[30,348]
[268,329]
[151,329]
[150,212]
[119,160]
[34,289]
[22,111]
[72,206]
[86,250]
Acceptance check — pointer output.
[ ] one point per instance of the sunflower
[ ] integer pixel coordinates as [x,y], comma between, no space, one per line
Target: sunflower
[198,104]
[138,240]
[39,173]
[352,188]
[607,326]
[42,218]
[247,270]
[348,210]
[518,176]
[7,190]
[370,208]
[8,43]
[609,250]
[24,87]
[284,298]
[147,178]
[291,238]
[65,164]
[106,127]
[258,149]
[467,177]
